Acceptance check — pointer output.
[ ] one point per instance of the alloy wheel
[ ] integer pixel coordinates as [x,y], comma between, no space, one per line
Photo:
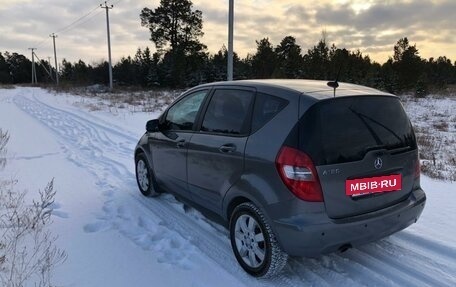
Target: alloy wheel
[249,239]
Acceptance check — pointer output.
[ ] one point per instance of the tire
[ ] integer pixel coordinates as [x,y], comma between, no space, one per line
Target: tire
[144,176]
[254,243]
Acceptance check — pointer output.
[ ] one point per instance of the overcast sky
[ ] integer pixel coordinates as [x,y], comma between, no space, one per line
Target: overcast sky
[370,26]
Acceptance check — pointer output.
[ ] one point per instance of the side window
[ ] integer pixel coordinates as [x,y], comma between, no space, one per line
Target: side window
[182,115]
[266,107]
[228,112]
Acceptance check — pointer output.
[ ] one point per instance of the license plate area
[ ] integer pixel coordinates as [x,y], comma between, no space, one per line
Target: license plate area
[371,185]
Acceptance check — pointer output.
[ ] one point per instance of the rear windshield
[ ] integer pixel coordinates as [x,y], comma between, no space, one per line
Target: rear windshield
[345,129]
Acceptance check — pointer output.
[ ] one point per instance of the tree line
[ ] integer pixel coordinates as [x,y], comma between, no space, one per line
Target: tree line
[181,60]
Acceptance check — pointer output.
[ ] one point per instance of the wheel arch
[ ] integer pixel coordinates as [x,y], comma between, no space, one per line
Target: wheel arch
[239,194]
[274,257]
[233,203]
[140,150]
[143,148]
[254,189]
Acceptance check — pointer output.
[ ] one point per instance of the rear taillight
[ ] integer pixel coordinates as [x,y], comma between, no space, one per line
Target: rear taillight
[299,174]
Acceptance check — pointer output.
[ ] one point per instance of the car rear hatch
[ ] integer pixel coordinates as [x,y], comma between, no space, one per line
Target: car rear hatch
[364,150]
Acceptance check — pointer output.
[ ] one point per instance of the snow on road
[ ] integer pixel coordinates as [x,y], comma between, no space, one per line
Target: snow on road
[116,237]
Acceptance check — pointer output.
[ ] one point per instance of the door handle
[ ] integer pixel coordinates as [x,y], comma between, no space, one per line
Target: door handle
[181,144]
[227,148]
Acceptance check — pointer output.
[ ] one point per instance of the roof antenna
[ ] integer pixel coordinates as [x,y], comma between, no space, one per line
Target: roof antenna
[335,84]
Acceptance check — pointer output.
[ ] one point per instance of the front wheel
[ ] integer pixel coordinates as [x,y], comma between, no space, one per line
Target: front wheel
[144,176]
[254,243]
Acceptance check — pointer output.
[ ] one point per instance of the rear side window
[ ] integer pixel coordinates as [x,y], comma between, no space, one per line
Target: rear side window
[227,112]
[266,107]
[345,129]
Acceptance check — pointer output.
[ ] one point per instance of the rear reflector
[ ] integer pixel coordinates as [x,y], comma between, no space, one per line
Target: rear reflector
[298,173]
[417,169]
[416,174]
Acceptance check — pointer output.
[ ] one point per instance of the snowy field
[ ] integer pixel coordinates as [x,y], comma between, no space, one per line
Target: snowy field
[434,119]
[116,237]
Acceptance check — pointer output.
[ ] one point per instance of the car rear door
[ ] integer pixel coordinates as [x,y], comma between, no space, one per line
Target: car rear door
[364,150]
[215,159]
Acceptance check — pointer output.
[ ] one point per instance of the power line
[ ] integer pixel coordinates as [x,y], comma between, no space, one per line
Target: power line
[78,22]
[86,20]
[44,66]
[68,27]
[41,43]
[73,24]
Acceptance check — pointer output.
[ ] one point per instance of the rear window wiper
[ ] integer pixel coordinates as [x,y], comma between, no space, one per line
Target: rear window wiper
[392,150]
[374,147]
[400,149]
[374,134]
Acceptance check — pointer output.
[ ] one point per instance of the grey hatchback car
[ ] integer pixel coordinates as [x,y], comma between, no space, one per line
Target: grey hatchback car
[294,167]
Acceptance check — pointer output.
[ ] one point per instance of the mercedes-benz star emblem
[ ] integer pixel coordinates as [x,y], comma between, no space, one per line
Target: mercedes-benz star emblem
[378,163]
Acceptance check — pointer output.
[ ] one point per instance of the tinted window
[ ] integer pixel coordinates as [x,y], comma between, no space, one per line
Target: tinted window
[182,115]
[345,129]
[266,107]
[227,112]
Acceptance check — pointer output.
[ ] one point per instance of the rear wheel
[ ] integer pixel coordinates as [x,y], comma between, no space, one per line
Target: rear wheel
[144,176]
[254,243]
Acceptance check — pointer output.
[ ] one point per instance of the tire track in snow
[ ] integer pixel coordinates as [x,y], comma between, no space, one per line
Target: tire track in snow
[354,273]
[428,246]
[415,264]
[81,140]
[74,130]
[113,176]
[400,265]
[167,215]
[321,272]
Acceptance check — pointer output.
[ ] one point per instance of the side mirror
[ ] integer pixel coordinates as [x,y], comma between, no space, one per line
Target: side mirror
[152,126]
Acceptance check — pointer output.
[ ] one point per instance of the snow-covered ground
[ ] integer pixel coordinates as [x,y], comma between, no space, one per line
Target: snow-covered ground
[434,119]
[116,237]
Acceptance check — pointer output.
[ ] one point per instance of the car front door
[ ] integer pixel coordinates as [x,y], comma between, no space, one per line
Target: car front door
[215,159]
[169,145]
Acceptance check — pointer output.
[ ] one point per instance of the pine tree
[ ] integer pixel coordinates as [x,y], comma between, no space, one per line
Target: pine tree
[264,61]
[317,62]
[175,28]
[5,77]
[408,65]
[19,67]
[289,59]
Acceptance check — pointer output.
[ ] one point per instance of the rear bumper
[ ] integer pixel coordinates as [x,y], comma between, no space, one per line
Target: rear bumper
[314,234]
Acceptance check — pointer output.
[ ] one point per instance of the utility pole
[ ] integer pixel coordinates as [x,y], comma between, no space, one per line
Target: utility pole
[230,40]
[44,66]
[34,80]
[55,58]
[107,7]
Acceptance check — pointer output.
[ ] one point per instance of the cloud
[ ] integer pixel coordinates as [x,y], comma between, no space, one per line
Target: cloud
[370,26]
[378,27]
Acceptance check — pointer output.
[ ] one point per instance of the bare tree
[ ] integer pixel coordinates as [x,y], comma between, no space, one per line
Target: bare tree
[28,252]
[4,138]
